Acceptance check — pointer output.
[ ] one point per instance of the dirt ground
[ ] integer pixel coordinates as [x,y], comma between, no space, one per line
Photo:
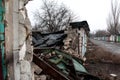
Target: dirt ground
[102,63]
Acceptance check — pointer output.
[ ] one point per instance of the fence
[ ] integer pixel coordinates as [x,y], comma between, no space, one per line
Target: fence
[109,38]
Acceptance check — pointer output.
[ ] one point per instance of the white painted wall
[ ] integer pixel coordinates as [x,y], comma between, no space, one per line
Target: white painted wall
[112,38]
[83,41]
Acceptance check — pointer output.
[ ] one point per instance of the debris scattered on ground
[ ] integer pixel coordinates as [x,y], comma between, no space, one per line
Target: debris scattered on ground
[57,63]
[102,63]
[56,57]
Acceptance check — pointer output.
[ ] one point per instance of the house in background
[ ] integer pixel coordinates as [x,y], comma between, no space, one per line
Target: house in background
[118,38]
[76,42]
[73,40]
[109,38]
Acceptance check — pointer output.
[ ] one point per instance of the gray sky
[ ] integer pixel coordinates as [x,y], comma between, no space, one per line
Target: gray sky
[94,11]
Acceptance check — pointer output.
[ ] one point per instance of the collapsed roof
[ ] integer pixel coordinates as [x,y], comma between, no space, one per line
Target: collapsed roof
[56,62]
[49,39]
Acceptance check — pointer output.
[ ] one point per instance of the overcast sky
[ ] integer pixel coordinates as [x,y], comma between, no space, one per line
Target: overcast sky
[94,11]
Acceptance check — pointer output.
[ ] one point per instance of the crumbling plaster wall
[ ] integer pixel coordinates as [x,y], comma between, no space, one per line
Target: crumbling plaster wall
[76,42]
[83,41]
[18,40]
[71,42]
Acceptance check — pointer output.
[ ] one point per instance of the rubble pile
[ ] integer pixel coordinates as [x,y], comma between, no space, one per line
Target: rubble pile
[39,74]
[57,55]
[71,43]
[57,63]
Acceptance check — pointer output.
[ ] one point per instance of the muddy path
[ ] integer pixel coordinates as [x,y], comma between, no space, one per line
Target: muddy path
[102,62]
[109,46]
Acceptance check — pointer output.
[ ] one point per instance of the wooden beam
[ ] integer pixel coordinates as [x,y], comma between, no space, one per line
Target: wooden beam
[49,69]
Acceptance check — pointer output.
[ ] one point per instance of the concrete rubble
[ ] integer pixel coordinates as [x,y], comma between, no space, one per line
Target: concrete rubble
[44,55]
[71,43]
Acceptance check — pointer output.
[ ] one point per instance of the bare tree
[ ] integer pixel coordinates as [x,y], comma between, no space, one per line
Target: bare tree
[101,33]
[113,18]
[52,17]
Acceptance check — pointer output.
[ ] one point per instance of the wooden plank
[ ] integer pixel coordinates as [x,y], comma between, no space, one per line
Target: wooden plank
[49,69]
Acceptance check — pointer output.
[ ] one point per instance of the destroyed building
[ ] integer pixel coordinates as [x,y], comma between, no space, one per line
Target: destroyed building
[73,40]
[54,52]
[76,42]
[59,54]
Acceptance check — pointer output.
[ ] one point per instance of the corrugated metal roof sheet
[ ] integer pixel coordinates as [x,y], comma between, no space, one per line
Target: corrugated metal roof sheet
[48,40]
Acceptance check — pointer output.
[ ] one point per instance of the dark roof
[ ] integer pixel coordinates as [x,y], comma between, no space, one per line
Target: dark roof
[48,39]
[82,24]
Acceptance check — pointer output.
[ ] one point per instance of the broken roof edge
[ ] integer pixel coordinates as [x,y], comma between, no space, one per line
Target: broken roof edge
[80,24]
[57,32]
